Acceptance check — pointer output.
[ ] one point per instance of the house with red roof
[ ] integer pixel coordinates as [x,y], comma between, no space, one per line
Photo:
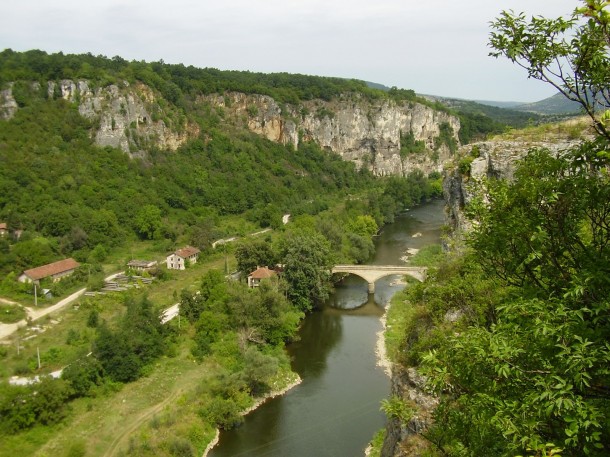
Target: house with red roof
[3,229]
[255,278]
[55,271]
[177,260]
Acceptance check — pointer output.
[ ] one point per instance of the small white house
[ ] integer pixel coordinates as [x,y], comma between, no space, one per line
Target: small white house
[177,260]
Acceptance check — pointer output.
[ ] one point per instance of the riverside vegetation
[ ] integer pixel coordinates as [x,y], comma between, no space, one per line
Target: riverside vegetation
[512,329]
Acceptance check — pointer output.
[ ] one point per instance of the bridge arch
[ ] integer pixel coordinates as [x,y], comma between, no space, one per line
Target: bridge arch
[371,273]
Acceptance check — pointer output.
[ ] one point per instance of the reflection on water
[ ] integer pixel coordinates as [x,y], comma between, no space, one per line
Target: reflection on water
[335,410]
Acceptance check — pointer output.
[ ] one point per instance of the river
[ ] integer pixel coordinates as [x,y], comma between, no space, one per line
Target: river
[335,410]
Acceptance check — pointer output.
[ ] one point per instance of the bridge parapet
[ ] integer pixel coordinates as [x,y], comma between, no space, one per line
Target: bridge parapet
[372,273]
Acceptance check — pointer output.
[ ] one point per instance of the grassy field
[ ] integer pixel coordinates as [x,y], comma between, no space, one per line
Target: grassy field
[10,313]
[572,129]
[102,425]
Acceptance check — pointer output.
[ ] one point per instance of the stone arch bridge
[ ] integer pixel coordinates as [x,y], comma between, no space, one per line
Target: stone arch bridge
[371,273]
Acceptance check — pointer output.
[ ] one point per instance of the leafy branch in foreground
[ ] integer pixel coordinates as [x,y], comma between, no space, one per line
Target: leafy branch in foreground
[570,54]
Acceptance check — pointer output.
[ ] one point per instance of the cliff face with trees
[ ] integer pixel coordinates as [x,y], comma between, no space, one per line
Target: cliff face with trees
[385,136]
[382,135]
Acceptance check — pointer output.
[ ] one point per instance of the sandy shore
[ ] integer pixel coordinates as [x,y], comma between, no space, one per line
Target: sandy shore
[257,403]
[382,356]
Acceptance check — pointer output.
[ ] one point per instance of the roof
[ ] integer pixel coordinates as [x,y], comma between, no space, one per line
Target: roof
[52,269]
[141,263]
[3,226]
[262,273]
[187,251]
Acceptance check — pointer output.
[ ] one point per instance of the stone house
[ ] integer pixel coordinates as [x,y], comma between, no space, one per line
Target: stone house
[177,260]
[141,265]
[255,278]
[55,271]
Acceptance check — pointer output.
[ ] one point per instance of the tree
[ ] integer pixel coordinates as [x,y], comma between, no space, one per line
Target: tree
[22,407]
[571,54]
[203,234]
[147,222]
[252,254]
[258,371]
[83,375]
[307,270]
[191,305]
[363,226]
[138,340]
[32,253]
[529,374]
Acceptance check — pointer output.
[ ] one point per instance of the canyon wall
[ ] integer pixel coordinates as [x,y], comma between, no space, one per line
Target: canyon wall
[365,132]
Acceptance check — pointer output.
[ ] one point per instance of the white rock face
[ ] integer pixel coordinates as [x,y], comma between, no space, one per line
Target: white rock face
[362,131]
[365,132]
[123,114]
[8,105]
[497,159]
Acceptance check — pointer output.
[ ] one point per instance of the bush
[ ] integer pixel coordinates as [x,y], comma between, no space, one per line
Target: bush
[181,447]
[77,449]
[221,412]
[22,407]
[465,165]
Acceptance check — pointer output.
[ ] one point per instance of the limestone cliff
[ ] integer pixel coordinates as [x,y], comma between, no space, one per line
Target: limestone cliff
[366,132]
[490,159]
[8,104]
[404,440]
[127,117]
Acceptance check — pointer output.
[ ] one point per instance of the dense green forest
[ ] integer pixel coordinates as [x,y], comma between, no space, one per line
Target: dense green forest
[177,82]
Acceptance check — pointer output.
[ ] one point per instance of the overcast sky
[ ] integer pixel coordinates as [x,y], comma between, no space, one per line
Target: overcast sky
[431,46]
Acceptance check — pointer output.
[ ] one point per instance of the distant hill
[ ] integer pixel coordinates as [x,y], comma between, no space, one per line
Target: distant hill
[557,104]
[506,105]
[373,85]
[479,120]
[511,117]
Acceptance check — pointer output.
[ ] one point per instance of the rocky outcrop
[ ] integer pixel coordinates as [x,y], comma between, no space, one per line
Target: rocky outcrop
[124,116]
[8,104]
[489,159]
[403,440]
[366,132]
[463,182]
